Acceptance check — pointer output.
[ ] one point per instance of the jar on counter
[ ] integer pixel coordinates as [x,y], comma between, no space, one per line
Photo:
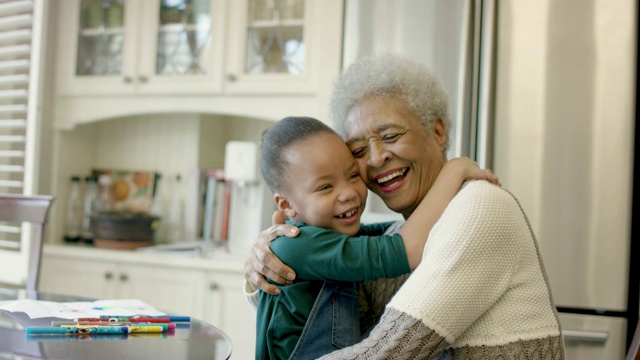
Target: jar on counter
[90,207]
[105,203]
[73,214]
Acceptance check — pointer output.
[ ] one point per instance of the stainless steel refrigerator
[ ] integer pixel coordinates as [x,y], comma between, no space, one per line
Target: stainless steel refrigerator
[543,92]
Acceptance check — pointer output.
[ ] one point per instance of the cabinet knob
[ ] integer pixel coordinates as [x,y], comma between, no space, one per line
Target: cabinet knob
[143,79]
[232,77]
[124,277]
[108,275]
[213,286]
[128,80]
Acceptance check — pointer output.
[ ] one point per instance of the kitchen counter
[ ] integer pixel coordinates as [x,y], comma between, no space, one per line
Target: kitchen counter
[211,259]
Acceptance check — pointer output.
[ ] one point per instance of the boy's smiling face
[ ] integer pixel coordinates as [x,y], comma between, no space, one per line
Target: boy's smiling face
[324,187]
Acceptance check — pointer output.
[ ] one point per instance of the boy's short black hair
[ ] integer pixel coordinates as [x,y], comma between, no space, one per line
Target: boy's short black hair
[278,138]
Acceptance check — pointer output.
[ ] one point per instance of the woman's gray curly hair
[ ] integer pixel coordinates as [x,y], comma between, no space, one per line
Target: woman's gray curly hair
[389,74]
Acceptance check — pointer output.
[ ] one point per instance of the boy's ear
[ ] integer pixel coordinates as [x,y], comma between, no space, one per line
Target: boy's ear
[284,205]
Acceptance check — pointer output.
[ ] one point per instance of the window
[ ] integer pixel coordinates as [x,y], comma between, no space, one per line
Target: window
[21,31]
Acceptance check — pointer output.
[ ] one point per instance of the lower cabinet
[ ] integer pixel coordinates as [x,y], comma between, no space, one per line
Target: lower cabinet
[227,308]
[206,289]
[78,277]
[172,290]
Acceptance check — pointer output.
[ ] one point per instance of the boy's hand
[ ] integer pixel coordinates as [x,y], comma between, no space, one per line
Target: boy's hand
[471,170]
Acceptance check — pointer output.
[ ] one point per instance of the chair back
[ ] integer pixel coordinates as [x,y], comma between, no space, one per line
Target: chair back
[20,264]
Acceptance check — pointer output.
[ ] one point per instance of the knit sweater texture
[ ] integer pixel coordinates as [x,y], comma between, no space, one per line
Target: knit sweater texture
[481,290]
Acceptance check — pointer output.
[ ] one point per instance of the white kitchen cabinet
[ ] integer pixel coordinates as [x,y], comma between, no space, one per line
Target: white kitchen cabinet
[273,46]
[265,68]
[173,290]
[277,46]
[139,47]
[227,308]
[66,275]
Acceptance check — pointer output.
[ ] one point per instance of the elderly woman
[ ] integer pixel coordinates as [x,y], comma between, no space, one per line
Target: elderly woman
[481,291]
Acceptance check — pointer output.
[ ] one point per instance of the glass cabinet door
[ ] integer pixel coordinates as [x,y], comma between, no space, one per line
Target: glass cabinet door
[141,46]
[272,44]
[275,41]
[181,46]
[101,37]
[184,35]
[96,40]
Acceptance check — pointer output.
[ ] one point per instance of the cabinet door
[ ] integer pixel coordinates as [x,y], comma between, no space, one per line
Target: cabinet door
[226,308]
[78,277]
[181,46]
[172,290]
[97,44]
[120,47]
[276,46]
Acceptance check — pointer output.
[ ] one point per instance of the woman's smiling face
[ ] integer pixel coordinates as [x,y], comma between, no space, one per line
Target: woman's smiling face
[398,160]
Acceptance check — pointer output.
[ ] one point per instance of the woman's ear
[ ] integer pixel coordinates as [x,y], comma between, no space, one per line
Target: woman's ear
[284,205]
[439,132]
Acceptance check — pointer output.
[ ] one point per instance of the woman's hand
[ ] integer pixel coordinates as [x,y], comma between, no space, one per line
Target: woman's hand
[263,263]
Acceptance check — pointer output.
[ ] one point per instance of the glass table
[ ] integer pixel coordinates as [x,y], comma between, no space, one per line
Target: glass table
[195,340]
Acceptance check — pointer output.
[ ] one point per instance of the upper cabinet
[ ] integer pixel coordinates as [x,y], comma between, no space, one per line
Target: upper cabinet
[132,55]
[140,47]
[272,45]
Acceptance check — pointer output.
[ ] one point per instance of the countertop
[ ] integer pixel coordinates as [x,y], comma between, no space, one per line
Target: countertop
[205,258]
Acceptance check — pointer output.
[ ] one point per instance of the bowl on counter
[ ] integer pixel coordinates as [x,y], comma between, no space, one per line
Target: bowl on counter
[123,230]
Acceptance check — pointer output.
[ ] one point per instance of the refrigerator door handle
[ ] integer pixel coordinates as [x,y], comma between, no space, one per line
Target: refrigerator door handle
[484,142]
[465,110]
[586,336]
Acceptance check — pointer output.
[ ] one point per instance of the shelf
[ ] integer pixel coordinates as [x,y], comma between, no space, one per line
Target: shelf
[102,31]
[262,24]
[169,28]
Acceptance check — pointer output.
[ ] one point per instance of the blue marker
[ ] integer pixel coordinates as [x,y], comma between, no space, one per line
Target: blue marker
[91,329]
[58,330]
[80,337]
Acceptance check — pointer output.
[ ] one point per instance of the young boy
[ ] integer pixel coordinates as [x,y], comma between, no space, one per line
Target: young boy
[317,185]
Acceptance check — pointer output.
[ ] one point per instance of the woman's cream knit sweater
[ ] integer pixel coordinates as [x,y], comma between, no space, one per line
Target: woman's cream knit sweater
[481,290]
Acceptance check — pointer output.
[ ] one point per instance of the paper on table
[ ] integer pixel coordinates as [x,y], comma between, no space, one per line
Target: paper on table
[71,310]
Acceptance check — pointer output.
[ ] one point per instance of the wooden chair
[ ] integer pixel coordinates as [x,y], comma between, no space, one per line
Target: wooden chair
[19,209]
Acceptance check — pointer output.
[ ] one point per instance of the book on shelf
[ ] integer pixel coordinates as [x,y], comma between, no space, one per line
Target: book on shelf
[217,202]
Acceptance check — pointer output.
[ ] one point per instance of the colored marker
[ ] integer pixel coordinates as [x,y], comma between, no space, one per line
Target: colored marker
[172,318]
[74,330]
[127,319]
[94,337]
[164,326]
[168,326]
[78,337]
